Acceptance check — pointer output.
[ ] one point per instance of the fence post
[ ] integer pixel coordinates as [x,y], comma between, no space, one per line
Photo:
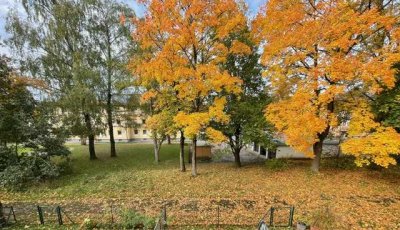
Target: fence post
[291,216]
[2,219]
[112,214]
[164,217]
[59,216]
[40,213]
[271,218]
[218,216]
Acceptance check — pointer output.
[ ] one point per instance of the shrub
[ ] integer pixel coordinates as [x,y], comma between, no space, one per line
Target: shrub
[342,162]
[134,220]
[324,218]
[88,224]
[218,154]
[7,157]
[277,164]
[27,169]
[14,177]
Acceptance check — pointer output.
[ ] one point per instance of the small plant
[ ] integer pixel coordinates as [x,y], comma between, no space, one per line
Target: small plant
[277,164]
[343,162]
[134,220]
[221,153]
[88,224]
[324,218]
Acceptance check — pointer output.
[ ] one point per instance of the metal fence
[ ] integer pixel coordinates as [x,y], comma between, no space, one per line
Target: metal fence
[211,213]
[161,221]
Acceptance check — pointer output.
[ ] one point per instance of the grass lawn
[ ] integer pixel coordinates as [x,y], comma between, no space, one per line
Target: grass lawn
[332,199]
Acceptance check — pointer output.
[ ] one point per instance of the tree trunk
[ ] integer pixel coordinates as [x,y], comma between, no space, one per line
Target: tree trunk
[194,153]
[236,153]
[89,128]
[182,152]
[113,152]
[156,150]
[83,140]
[317,148]
[16,149]
[169,139]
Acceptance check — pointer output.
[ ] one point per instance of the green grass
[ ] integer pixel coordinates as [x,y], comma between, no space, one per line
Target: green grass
[127,171]
[133,180]
[106,176]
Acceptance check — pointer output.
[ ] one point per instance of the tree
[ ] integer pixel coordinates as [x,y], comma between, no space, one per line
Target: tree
[52,44]
[114,45]
[323,61]
[184,44]
[386,106]
[16,107]
[161,125]
[75,47]
[247,123]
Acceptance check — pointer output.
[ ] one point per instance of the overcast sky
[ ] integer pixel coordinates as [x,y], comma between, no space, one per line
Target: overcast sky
[6,5]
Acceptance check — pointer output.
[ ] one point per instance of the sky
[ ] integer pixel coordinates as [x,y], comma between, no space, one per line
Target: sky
[6,5]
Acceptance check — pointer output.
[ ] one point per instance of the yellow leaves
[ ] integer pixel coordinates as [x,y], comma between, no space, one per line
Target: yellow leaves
[296,117]
[182,56]
[314,42]
[146,96]
[369,141]
[161,124]
[192,123]
[377,147]
[319,54]
[362,121]
[215,136]
[216,111]
[240,48]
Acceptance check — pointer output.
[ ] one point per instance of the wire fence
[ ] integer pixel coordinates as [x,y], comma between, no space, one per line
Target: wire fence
[183,212]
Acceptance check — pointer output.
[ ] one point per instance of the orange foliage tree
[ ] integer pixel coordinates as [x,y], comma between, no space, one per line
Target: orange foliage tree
[323,60]
[182,42]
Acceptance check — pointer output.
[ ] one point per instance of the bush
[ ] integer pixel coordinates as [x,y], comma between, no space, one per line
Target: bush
[218,154]
[27,169]
[134,220]
[325,218]
[342,162]
[7,158]
[277,164]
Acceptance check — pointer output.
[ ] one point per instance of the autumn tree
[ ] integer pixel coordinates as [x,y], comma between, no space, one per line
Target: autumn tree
[323,61]
[161,125]
[386,106]
[184,43]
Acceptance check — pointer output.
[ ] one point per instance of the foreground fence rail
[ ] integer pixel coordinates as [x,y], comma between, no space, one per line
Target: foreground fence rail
[161,221]
[6,212]
[205,212]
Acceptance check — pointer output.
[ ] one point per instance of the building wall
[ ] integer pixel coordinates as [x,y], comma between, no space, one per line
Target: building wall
[330,148]
[289,152]
[122,131]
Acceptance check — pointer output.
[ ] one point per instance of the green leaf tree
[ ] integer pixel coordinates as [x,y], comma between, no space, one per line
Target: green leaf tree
[52,44]
[247,123]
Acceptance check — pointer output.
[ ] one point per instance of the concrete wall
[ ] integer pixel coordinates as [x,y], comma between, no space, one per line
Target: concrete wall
[289,152]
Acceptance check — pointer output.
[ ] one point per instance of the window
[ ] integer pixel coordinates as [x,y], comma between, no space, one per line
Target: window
[143,121]
[136,131]
[119,132]
[144,131]
[118,121]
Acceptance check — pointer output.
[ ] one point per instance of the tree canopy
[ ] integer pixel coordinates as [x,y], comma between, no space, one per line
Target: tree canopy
[324,58]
